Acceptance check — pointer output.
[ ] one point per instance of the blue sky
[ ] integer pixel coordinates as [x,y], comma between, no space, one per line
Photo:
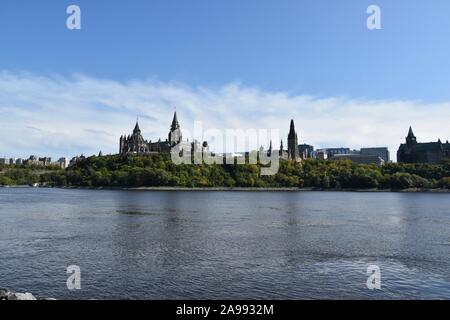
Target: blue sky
[315,47]
[319,49]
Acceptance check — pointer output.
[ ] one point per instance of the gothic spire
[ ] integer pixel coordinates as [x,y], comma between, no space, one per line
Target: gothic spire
[292,133]
[175,125]
[411,139]
[410,132]
[136,127]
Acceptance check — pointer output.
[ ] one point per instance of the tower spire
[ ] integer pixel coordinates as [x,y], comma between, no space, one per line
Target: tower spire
[293,143]
[175,125]
[136,127]
[175,132]
[411,139]
[410,132]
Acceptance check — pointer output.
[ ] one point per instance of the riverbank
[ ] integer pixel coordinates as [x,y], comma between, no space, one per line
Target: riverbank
[241,189]
[411,190]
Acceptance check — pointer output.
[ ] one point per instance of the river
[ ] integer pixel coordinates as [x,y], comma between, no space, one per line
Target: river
[224,245]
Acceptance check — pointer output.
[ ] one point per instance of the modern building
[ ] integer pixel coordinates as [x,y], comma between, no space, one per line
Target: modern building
[45,161]
[415,152]
[334,151]
[320,154]
[38,161]
[306,151]
[381,152]
[359,158]
[32,161]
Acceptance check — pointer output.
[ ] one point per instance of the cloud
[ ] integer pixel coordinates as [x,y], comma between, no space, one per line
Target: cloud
[65,116]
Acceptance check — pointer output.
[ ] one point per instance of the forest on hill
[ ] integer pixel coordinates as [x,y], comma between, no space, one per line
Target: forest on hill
[132,171]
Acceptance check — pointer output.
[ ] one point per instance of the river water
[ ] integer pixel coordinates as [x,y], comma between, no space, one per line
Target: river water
[224,245]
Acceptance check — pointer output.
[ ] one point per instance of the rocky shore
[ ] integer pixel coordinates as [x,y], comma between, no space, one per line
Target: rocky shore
[5,294]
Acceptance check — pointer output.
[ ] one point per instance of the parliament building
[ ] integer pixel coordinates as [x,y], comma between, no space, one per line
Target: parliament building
[135,143]
[415,152]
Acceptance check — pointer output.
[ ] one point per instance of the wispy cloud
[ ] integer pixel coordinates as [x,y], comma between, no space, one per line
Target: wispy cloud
[64,116]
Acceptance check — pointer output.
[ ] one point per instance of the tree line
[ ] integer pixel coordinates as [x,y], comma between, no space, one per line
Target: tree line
[158,170]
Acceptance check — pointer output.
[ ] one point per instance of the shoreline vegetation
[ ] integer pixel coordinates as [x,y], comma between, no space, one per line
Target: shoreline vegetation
[159,173]
[233,189]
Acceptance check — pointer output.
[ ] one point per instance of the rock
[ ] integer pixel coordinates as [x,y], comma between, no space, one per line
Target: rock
[22,296]
[3,294]
[8,295]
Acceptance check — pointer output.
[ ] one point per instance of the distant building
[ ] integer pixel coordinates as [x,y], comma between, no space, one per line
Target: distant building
[321,154]
[359,158]
[269,153]
[76,159]
[306,151]
[365,155]
[32,161]
[292,152]
[381,152]
[62,163]
[135,143]
[430,152]
[45,161]
[282,153]
[334,151]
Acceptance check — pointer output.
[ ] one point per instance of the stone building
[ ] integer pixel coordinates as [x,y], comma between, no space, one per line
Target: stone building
[429,152]
[292,152]
[135,143]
